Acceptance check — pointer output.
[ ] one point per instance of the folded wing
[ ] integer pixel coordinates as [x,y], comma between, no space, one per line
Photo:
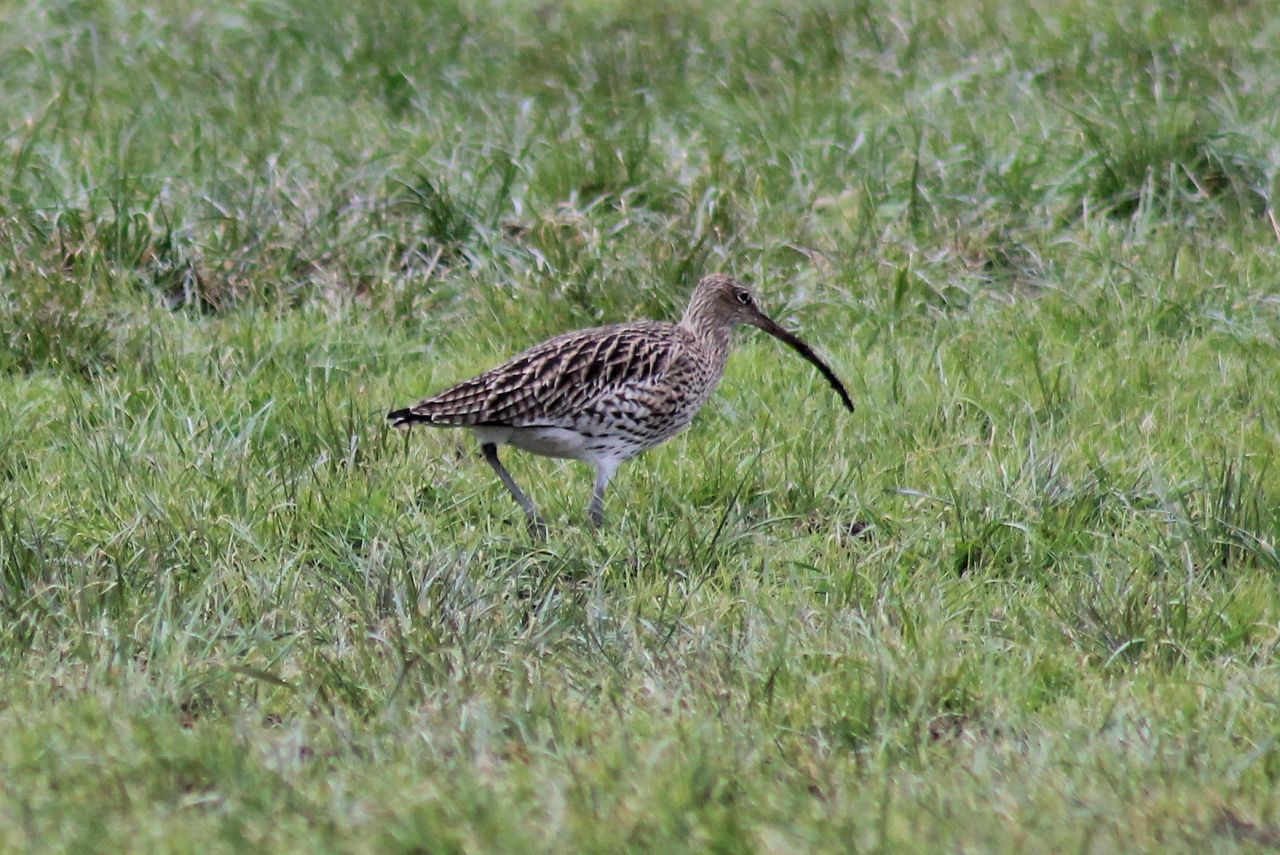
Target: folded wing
[554,382]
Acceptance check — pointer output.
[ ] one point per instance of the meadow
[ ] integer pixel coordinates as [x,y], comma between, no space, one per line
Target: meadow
[1023,599]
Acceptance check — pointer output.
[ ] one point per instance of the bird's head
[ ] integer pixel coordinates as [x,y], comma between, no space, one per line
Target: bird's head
[723,302]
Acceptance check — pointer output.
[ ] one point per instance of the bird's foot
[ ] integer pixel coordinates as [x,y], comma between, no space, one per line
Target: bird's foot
[537,527]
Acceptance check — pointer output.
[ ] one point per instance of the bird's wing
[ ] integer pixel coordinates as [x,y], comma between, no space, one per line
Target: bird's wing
[552,383]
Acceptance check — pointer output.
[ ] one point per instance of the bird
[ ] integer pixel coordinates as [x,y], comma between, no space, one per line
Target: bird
[605,394]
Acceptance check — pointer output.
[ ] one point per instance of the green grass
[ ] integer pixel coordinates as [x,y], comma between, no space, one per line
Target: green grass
[1024,599]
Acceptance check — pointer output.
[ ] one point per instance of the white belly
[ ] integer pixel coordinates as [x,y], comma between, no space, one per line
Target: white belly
[546,441]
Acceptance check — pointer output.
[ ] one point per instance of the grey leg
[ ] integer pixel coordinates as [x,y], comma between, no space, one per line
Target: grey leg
[604,471]
[537,527]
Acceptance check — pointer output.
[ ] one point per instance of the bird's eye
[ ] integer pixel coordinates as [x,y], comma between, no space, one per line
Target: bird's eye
[743,297]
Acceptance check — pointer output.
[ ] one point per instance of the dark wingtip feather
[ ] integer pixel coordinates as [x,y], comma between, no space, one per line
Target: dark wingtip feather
[399,418]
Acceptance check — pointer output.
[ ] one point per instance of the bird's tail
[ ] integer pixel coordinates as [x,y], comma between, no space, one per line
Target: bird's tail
[405,417]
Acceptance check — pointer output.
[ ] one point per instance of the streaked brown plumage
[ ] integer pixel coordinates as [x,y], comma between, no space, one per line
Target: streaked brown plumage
[604,395]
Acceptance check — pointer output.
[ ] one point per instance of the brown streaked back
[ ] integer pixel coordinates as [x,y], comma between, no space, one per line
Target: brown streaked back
[553,382]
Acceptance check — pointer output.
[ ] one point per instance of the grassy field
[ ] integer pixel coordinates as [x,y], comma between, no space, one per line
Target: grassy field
[1025,599]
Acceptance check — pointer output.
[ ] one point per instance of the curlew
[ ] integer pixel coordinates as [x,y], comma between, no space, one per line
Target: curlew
[604,395]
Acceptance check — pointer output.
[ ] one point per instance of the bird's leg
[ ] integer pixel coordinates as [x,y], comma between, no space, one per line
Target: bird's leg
[537,527]
[604,471]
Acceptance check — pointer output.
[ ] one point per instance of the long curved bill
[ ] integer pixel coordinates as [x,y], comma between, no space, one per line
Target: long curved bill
[765,323]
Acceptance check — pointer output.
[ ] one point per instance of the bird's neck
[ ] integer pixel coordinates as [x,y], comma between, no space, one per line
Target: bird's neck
[712,335]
